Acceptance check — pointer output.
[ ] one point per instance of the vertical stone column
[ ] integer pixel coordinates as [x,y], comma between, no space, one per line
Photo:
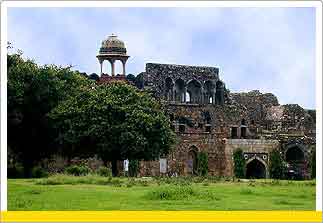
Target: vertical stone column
[124,67]
[101,63]
[112,67]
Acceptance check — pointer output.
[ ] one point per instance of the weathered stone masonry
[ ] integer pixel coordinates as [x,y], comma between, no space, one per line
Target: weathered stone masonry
[207,117]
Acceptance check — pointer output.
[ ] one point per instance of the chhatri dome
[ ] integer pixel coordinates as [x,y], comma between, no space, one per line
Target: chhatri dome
[113,49]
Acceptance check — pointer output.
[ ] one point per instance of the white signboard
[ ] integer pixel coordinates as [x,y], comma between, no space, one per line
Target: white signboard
[163,165]
[125,165]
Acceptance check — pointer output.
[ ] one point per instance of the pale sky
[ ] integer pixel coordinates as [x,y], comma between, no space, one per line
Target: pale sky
[268,49]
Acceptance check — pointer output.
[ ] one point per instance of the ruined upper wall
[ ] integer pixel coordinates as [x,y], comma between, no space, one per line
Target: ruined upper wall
[179,82]
[255,102]
[184,72]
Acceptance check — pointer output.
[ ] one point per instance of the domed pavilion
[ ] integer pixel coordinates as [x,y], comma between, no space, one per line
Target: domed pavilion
[113,49]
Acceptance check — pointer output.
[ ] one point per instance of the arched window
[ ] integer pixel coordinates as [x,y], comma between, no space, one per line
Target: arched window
[209,91]
[169,89]
[188,97]
[195,89]
[179,90]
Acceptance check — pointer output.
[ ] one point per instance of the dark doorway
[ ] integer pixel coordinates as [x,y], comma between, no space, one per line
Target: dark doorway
[294,154]
[243,132]
[255,170]
[192,161]
[234,132]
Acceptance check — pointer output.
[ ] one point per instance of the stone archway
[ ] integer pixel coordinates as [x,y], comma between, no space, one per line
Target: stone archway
[192,161]
[256,169]
[294,154]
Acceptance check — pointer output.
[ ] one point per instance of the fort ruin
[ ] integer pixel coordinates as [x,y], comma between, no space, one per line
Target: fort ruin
[207,117]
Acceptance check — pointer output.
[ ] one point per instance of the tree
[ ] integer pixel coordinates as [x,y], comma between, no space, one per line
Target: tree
[313,163]
[239,164]
[202,164]
[119,121]
[94,77]
[276,165]
[33,91]
[131,78]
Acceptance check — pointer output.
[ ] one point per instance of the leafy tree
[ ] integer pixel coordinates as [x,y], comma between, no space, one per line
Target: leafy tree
[276,165]
[239,164]
[313,163]
[133,168]
[94,77]
[202,164]
[131,78]
[33,91]
[119,121]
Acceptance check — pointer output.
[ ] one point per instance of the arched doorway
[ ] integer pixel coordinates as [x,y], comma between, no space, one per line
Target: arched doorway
[255,169]
[192,161]
[294,154]
[295,158]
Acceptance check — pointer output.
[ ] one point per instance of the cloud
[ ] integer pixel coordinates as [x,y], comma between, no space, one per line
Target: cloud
[271,49]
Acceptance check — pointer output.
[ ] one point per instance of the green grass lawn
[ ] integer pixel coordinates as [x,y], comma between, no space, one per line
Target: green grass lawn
[99,193]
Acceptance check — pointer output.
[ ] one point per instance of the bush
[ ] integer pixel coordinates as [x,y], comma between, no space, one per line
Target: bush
[15,171]
[239,164]
[276,165]
[104,171]
[77,170]
[38,172]
[202,164]
[133,168]
[313,164]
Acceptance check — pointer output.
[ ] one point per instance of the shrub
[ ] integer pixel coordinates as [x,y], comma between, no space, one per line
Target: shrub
[133,168]
[171,193]
[202,164]
[313,164]
[77,170]
[104,171]
[38,172]
[276,165]
[15,171]
[239,163]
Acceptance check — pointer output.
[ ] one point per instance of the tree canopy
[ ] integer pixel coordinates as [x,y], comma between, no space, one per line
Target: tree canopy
[118,120]
[33,91]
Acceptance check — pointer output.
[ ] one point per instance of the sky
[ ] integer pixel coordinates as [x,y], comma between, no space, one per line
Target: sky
[266,49]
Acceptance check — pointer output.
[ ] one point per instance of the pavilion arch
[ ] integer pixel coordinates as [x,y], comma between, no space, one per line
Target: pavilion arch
[209,92]
[256,168]
[294,153]
[179,90]
[219,95]
[169,85]
[192,160]
[194,88]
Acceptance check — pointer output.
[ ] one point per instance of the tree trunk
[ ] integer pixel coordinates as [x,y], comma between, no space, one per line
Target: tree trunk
[114,168]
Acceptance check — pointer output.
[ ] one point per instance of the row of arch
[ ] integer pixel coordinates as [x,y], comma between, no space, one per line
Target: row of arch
[255,166]
[194,91]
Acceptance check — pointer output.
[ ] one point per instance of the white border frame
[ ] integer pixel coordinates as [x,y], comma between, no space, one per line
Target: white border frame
[316,4]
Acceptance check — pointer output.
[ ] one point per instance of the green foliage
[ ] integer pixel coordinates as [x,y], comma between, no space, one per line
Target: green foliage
[313,163]
[133,168]
[77,170]
[276,165]
[104,171]
[38,172]
[202,164]
[15,171]
[239,164]
[118,120]
[33,91]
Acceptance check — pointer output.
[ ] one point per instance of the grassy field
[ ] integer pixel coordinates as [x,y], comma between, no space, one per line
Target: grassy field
[99,193]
